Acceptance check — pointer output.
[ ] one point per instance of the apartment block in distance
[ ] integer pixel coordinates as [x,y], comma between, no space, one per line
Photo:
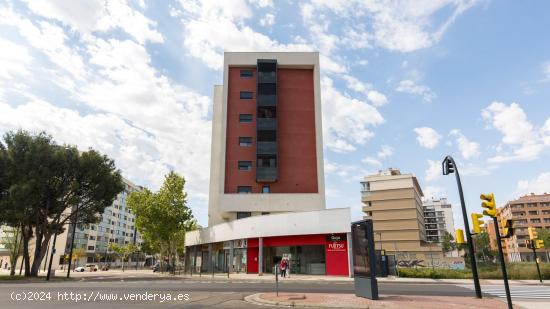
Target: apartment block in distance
[531,210]
[393,201]
[438,219]
[267,191]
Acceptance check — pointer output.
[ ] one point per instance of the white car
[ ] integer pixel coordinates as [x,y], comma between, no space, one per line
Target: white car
[79,269]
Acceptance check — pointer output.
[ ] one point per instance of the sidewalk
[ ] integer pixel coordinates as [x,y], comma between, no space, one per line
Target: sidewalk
[308,278]
[318,300]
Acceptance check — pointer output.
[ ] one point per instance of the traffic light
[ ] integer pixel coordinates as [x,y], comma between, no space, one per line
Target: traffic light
[448,166]
[460,236]
[528,243]
[533,234]
[539,244]
[507,227]
[489,204]
[477,223]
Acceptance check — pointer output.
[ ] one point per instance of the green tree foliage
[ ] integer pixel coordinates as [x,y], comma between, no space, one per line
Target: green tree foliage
[448,243]
[162,218]
[483,248]
[123,251]
[43,181]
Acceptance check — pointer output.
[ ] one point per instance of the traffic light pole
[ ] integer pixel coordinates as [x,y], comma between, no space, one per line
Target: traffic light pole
[502,265]
[536,259]
[468,233]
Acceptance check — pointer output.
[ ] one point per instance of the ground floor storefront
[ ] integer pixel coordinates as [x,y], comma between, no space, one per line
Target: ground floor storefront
[317,254]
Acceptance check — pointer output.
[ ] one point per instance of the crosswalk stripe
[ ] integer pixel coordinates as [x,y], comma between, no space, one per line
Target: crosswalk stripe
[527,292]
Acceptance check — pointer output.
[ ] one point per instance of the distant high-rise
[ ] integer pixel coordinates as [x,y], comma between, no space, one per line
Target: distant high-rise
[438,219]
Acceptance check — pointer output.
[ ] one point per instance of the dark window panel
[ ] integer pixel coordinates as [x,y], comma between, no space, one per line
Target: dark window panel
[245,141]
[247,73]
[244,189]
[246,95]
[245,118]
[245,165]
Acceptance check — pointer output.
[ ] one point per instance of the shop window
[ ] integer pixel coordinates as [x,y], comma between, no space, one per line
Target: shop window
[265,189]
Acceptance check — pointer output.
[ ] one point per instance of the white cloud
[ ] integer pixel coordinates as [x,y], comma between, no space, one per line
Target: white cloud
[375,97]
[427,137]
[434,192]
[409,86]
[267,20]
[521,141]
[262,3]
[14,60]
[399,26]
[434,170]
[345,120]
[385,151]
[372,161]
[96,15]
[546,70]
[467,148]
[538,185]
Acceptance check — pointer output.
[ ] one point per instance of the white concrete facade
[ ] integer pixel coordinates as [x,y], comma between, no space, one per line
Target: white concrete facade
[443,213]
[223,207]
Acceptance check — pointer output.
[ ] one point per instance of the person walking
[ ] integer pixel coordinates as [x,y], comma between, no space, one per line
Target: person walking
[283,268]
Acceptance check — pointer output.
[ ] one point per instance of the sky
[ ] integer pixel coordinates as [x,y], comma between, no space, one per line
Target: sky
[404,83]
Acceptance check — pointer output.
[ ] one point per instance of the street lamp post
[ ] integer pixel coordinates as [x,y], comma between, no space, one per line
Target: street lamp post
[72,241]
[449,167]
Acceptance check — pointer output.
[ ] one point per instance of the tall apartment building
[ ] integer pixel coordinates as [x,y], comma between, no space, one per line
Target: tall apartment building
[267,192]
[393,201]
[438,219]
[117,226]
[527,211]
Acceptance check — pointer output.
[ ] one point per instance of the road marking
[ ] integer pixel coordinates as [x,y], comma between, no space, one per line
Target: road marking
[516,291]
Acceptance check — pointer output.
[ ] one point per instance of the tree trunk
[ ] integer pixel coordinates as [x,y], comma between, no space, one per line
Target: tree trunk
[26,237]
[13,263]
[39,255]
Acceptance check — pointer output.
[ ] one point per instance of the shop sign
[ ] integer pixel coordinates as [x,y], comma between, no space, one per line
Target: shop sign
[337,246]
[240,243]
[336,237]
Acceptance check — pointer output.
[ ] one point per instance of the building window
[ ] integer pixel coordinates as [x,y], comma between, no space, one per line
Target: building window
[242,214]
[91,248]
[92,238]
[245,165]
[247,73]
[366,186]
[265,189]
[246,95]
[245,141]
[244,189]
[245,118]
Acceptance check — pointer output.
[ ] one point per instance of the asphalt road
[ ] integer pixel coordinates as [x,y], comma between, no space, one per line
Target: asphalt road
[195,293]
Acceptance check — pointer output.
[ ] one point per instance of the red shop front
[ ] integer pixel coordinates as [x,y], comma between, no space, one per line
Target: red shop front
[320,254]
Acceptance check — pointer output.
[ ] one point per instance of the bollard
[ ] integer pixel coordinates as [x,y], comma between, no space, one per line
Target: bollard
[277,280]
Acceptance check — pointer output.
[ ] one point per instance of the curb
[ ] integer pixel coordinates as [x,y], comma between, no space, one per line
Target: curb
[256,299]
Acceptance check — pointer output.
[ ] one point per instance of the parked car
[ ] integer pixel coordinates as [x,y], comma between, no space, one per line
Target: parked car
[91,267]
[79,269]
[155,267]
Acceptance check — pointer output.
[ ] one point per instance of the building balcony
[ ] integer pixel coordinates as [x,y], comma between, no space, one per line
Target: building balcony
[266,148]
[266,124]
[266,174]
[267,77]
[365,194]
[266,99]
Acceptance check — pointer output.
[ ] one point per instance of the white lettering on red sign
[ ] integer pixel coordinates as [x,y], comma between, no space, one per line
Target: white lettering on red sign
[337,246]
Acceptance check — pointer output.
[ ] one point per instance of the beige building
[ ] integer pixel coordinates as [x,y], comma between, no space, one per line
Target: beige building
[528,211]
[394,202]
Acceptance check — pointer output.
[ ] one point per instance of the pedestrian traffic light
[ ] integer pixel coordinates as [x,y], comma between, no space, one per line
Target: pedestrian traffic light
[460,236]
[477,222]
[489,204]
[539,244]
[507,227]
[533,234]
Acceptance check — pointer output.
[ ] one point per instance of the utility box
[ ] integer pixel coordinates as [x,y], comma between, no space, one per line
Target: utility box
[364,259]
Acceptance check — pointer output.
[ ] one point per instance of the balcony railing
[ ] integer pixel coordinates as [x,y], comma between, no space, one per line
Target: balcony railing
[266,123]
[266,99]
[266,174]
[266,148]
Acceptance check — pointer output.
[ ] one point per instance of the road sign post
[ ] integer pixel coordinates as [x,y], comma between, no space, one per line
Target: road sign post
[364,259]
[533,245]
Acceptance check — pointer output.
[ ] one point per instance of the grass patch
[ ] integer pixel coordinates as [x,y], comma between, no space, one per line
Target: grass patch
[11,278]
[516,271]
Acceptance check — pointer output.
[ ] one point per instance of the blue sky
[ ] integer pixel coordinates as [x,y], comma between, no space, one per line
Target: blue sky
[404,83]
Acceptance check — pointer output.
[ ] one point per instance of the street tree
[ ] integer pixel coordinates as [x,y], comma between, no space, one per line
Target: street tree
[448,243]
[46,183]
[483,247]
[162,218]
[123,251]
